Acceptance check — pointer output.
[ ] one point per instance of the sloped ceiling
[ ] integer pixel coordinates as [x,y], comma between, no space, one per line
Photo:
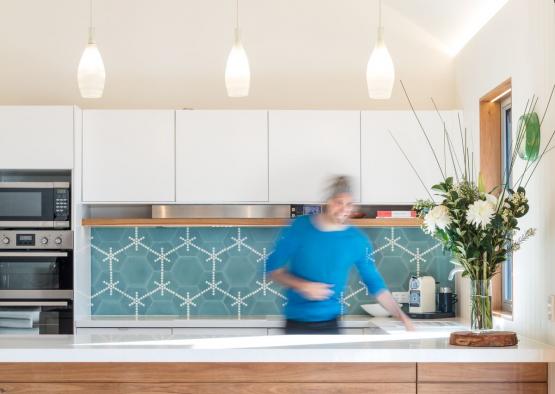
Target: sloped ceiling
[172,53]
[452,22]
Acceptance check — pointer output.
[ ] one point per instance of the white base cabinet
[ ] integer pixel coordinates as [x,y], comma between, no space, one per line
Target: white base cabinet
[123,331]
[36,137]
[128,156]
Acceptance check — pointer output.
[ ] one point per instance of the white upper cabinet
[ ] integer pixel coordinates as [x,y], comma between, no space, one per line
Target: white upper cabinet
[307,148]
[222,156]
[387,177]
[36,137]
[128,156]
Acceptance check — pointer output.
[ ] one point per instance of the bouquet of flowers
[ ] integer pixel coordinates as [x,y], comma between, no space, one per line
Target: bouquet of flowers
[476,225]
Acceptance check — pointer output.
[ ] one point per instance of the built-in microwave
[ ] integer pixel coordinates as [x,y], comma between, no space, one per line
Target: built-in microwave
[35,205]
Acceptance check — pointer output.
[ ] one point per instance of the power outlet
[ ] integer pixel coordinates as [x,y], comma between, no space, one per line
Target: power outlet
[551,308]
[402,297]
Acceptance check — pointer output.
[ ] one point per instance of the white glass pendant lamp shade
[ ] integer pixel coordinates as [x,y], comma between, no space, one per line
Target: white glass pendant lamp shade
[380,71]
[237,70]
[91,74]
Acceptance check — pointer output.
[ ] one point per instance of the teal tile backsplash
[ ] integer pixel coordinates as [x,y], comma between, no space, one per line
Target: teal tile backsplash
[219,271]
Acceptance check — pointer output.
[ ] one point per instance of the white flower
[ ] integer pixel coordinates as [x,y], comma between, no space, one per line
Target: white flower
[490,198]
[480,213]
[438,217]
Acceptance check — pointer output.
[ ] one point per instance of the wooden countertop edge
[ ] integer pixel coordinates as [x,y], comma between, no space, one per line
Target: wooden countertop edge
[219,222]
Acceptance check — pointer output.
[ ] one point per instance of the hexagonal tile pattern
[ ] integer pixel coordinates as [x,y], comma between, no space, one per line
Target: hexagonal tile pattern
[196,272]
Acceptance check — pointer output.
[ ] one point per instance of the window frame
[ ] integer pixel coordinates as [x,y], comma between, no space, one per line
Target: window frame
[506,271]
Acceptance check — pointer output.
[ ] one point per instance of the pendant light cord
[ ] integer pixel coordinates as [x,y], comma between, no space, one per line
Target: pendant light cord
[91,28]
[379,13]
[236,14]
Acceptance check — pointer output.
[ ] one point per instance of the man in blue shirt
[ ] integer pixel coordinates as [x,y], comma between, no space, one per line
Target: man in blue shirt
[313,258]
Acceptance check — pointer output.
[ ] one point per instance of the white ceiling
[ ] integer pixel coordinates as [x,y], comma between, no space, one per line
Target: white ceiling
[172,53]
[452,22]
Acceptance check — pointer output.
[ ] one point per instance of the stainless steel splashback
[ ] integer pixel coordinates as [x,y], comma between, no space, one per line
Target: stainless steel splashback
[220,211]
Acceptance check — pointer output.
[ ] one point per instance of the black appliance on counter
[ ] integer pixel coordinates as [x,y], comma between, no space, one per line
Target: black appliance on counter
[36,274]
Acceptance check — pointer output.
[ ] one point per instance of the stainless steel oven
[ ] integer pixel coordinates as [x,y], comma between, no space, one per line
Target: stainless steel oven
[35,205]
[36,275]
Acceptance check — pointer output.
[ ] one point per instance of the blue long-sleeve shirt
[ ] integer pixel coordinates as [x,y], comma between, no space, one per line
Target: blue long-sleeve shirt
[326,257]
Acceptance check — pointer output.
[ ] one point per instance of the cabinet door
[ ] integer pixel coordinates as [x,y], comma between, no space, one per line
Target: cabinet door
[123,331]
[222,156]
[307,148]
[128,156]
[387,177]
[215,332]
[36,137]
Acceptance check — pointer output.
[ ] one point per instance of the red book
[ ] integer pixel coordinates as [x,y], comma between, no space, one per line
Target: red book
[396,214]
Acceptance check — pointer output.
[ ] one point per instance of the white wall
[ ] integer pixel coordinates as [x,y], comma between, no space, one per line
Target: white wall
[519,42]
[308,54]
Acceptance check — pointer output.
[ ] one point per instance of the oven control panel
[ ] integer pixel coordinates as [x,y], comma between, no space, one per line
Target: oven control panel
[21,239]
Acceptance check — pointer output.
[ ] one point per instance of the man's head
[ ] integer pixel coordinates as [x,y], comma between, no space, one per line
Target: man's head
[339,203]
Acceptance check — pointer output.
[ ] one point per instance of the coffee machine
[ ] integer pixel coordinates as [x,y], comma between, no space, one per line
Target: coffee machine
[422,294]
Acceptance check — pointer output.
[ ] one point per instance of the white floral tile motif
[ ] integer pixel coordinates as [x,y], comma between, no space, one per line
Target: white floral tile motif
[216,271]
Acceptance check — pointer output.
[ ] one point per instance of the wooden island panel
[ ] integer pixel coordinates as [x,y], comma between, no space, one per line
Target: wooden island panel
[482,372]
[489,388]
[208,372]
[273,378]
[208,388]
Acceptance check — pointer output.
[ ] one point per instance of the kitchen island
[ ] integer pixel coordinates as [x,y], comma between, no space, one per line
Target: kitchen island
[396,362]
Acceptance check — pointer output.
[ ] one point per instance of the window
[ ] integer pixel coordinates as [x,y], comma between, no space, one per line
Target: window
[495,156]
[506,151]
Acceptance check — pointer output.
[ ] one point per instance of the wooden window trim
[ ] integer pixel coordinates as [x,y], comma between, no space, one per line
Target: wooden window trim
[490,168]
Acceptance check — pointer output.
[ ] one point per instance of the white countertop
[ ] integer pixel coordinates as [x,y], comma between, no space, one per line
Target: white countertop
[271,321]
[427,344]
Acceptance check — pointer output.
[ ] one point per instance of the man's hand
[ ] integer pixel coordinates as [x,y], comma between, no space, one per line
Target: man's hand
[407,322]
[315,291]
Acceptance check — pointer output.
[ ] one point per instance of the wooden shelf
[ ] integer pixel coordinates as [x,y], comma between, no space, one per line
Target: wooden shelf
[228,222]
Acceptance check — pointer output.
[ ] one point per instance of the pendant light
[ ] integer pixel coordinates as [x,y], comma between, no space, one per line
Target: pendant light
[237,70]
[380,71]
[91,74]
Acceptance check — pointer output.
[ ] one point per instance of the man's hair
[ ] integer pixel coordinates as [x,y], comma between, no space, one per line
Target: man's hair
[339,185]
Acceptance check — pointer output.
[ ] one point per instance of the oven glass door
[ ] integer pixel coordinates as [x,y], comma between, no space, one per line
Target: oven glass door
[36,275]
[28,206]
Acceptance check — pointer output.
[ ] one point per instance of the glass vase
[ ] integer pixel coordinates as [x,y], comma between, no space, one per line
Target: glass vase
[481,318]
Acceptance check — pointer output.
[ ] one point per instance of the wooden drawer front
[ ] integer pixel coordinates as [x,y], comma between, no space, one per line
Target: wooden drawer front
[482,372]
[208,372]
[489,388]
[208,388]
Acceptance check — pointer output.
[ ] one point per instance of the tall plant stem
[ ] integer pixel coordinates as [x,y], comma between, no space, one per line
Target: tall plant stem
[411,165]
[423,130]
[462,140]
[454,158]
[545,150]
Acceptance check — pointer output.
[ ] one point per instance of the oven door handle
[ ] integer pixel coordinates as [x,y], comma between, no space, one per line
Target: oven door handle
[34,303]
[33,254]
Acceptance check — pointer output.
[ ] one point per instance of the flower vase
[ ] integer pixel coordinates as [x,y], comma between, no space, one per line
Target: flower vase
[481,318]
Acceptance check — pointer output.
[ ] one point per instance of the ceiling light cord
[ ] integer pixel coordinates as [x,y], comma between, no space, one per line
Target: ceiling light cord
[379,14]
[236,14]
[91,27]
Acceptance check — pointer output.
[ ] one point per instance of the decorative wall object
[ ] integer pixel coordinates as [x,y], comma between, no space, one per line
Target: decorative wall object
[220,271]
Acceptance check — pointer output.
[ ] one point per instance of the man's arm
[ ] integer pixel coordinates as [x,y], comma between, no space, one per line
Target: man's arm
[313,291]
[386,300]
